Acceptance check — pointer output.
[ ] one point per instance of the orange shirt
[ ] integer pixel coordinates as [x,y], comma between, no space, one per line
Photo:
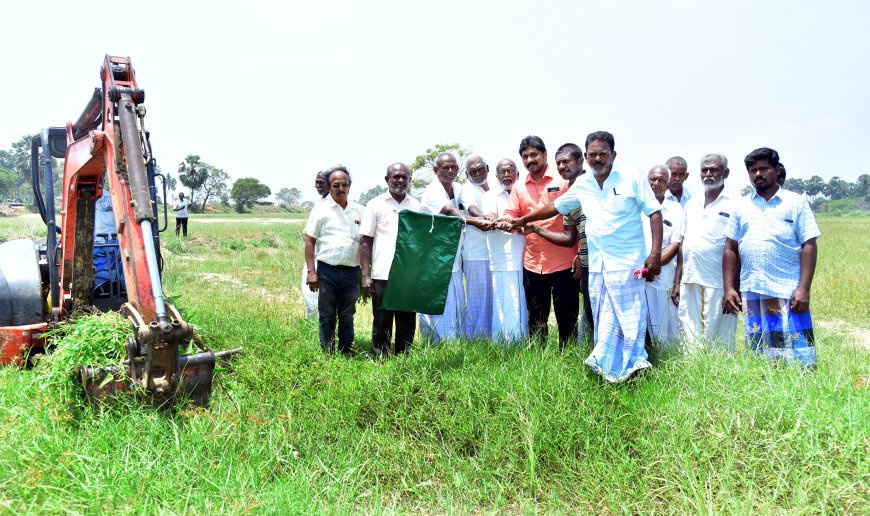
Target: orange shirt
[540,255]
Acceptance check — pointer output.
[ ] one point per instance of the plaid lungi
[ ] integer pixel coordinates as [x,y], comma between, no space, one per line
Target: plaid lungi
[447,325]
[772,329]
[620,312]
[478,299]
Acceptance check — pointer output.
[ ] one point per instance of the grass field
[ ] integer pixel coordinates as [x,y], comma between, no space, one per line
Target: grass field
[461,427]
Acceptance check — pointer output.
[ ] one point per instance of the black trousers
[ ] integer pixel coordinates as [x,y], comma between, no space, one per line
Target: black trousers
[565,293]
[181,223]
[339,290]
[589,330]
[382,324]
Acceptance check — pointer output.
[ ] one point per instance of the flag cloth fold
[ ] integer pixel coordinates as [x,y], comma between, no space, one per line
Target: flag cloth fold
[426,247]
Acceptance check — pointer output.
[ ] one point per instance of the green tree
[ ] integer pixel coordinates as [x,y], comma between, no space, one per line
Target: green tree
[795,184]
[246,191]
[8,183]
[215,184]
[192,172]
[288,197]
[422,167]
[814,185]
[370,194]
[836,188]
[747,190]
[862,186]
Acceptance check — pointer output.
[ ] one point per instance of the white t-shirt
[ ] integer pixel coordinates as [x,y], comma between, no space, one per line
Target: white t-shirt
[381,221]
[181,208]
[474,245]
[434,198]
[505,249]
[673,226]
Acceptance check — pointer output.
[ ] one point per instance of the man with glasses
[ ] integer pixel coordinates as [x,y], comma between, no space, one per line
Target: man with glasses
[505,249]
[332,240]
[475,254]
[702,318]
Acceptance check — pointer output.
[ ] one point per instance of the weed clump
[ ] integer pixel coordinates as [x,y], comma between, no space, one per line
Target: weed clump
[96,340]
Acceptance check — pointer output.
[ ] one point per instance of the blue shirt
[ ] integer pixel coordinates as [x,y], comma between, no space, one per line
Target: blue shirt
[769,235]
[104,221]
[614,230]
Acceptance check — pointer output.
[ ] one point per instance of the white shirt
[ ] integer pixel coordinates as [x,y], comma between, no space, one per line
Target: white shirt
[104,221]
[434,198]
[704,240]
[474,245]
[683,201]
[505,249]
[336,231]
[381,221]
[613,226]
[181,208]
[673,227]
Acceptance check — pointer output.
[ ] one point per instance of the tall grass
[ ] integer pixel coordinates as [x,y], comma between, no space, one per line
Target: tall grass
[457,427]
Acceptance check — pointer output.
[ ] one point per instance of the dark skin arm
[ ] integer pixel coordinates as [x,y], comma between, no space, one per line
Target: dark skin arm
[480,223]
[653,261]
[732,303]
[678,276]
[800,299]
[365,261]
[566,238]
[542,213]
[311,280]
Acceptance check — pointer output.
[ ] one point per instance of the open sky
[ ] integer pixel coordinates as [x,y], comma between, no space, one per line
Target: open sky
[278,90]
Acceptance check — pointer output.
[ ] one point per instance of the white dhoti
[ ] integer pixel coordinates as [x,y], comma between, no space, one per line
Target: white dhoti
[309,298]
[620,311]
[702,319]
[662,320]
[510,316]
[478,299]
[448,325]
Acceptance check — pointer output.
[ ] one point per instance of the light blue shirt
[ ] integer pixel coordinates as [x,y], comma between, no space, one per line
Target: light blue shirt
[769,235]
[614,230]
[104,221]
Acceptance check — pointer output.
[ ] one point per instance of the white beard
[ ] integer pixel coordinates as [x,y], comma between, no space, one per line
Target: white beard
[714,186]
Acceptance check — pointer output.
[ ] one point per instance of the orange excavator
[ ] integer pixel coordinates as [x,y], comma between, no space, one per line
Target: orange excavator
[41,285]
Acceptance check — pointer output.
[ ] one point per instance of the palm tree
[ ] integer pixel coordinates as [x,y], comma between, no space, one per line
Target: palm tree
[192,172]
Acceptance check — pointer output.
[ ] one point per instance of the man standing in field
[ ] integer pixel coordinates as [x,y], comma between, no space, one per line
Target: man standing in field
[701,288]
[678,170]
[664,325]
[379,229]
[546,266]
[442,197]
[475,255]
[181,214]
[612,202]
[309,298]
[569,163]
[509,312]
[771,238]
[332,239]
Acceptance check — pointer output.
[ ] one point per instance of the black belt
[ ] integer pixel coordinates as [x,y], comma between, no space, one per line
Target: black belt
[107,236]
[339,266]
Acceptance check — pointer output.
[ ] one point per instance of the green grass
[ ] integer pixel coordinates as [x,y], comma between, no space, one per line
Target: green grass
[455,428]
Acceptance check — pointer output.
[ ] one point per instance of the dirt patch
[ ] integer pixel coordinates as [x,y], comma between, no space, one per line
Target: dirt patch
[859,336]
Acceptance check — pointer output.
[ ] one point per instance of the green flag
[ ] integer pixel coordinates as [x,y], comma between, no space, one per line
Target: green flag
[425,250]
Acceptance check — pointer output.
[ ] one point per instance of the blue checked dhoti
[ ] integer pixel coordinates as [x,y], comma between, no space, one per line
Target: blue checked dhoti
[510,316]
[772,329]
[448,325]
[620,312]
[478,298]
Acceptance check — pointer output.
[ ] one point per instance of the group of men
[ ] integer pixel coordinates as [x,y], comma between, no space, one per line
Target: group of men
[651,262]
